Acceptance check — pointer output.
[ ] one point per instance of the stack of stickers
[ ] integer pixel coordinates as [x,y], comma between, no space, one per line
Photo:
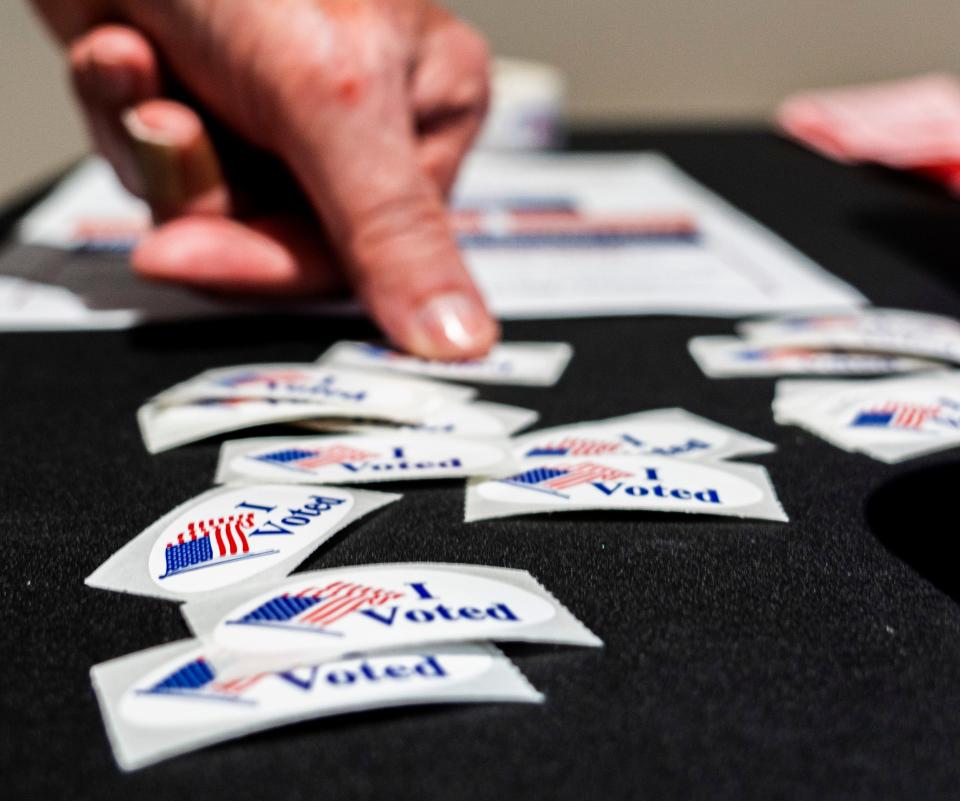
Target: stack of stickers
[270,647]
[890,419]
[316,644]
[664,460]
[353,387]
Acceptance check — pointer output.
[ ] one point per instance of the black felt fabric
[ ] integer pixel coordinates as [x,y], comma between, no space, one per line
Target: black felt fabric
[815,660]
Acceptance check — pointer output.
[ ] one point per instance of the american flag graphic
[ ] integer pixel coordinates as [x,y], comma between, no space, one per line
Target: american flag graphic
[895,414]
[574,446]
[555,478]
[205,543]
[196,679]
[317,607]
[263,377]
[569,229]
[311,459]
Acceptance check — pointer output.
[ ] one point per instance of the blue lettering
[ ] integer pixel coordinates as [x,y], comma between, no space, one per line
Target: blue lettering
[707,496]
[502,612]
[246,505]
[303,684]
[420,588]
[341,677]
[430,667]
[387,620]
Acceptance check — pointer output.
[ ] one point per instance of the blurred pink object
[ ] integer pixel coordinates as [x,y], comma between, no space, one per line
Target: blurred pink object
[911,124]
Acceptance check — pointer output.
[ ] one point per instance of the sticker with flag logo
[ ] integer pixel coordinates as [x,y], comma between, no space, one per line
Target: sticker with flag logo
[358,458]
[658,432]
[888,419]
[167,701]
[625,482]
[165,427]
[537,364]
[361,391]
[897,331]
[328,613]
[731,357]
[232,535]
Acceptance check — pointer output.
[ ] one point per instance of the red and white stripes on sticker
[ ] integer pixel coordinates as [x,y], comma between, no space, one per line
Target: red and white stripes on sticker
[229,533]
[584,473]
[340,599]
[908,415]
[576,446]
[335,454]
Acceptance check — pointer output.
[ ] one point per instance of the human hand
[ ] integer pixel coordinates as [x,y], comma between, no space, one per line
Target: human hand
[369,105]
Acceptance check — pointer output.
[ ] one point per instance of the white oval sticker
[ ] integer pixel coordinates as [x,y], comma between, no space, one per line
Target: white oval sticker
[186,691]
[351,459]
[239,533]
[623,482]
[352,610]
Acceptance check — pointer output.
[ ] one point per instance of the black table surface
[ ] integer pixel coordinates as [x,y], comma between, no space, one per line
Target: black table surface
[743,659]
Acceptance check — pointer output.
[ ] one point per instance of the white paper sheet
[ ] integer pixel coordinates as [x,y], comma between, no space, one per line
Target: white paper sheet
[544,236]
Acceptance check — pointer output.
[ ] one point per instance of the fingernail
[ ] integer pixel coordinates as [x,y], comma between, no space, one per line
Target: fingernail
[176,159]
[452,326]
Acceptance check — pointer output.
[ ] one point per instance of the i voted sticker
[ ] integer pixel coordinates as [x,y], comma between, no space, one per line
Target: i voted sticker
[328,613]
[362,391]
[625,482]
[889,420]
[230,536]
[526,363]
[888,330]
[659,432]
[170,700]
[731,357]
[357,459]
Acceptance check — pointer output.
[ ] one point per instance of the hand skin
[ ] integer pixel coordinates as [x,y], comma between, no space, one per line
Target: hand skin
[369,105]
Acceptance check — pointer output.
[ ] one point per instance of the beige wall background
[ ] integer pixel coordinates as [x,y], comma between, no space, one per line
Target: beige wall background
[625,60]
